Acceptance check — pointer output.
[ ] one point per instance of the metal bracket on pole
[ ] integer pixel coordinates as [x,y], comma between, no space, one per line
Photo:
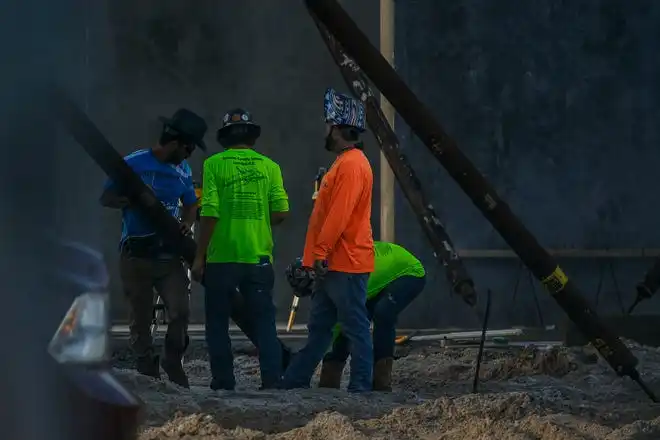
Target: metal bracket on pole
[649,286]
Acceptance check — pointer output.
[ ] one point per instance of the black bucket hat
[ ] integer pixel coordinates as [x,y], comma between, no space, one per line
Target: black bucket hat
[238,116]
[189,125]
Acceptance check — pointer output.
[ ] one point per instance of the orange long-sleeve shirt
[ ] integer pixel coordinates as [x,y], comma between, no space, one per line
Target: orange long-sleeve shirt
[339,229]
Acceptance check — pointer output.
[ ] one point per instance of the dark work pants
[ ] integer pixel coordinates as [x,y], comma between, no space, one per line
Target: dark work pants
[244,320]
[383,309]
[168,276]
[340,297]
[255,283]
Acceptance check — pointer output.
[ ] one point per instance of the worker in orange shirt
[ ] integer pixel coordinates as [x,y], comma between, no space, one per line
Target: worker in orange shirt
[339,249]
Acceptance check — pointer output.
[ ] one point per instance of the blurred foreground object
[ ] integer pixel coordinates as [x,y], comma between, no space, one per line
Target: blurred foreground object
[82,337]
[80,346]
[42,399]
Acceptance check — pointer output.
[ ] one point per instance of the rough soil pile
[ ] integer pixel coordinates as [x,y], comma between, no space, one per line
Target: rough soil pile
[533,393]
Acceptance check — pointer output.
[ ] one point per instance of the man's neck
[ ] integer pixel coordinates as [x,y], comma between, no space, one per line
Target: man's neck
[345,148]
[240,147]
[158,153]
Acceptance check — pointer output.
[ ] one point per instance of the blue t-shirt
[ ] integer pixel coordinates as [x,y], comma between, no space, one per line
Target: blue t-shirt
[169,182]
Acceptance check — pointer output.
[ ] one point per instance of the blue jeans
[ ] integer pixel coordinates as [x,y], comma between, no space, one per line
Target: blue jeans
[341,297]
[383,309]
[255,282]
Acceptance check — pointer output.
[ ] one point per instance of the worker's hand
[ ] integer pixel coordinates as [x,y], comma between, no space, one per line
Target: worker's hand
[185,229]
[320,268]
[197,269]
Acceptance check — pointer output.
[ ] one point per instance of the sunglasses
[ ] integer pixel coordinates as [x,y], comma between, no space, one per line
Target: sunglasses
[189,147]
[187,143]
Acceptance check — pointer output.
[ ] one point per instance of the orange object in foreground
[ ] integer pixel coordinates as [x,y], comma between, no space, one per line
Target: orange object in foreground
[339,229]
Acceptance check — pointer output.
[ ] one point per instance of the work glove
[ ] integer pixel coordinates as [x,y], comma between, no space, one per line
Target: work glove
[320,268]
[301,279]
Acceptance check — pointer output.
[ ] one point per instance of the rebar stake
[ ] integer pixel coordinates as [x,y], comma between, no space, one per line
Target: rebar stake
[475,383]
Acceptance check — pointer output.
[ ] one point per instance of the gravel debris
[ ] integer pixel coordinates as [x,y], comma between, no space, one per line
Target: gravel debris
[533,393]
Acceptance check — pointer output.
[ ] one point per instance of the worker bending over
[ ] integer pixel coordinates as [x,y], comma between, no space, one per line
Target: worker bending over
[339,249]
[243,197]
[146,261]
[398,278]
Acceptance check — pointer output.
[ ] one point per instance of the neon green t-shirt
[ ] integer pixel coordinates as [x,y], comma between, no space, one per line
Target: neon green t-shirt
[391,262]
[241,188]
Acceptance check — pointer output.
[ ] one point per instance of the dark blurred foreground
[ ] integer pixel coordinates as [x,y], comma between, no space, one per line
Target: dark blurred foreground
[38,396]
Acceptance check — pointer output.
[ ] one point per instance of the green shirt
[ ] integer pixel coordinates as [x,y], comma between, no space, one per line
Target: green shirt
[241,188]
[391,262]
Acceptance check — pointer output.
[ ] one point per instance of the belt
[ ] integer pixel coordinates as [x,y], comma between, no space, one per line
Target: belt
[146,247]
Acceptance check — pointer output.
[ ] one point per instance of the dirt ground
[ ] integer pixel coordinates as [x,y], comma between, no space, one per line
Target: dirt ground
[525,393]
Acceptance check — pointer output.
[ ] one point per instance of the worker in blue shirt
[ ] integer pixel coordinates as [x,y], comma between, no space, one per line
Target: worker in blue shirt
[146,262]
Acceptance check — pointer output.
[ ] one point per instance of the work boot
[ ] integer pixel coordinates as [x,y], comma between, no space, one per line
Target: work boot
[172,363]
[217,385]
[331,372]
[175,372]
[383,374]
[148,365]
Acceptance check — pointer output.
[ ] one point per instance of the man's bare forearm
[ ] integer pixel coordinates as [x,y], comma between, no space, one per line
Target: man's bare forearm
[111,199]
[189,214]
[206,228]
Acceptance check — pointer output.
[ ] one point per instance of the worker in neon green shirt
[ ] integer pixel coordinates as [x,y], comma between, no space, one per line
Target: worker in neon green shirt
[243,198]
[398,278]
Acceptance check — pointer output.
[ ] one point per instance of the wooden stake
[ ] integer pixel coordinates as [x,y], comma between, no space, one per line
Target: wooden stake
[386,174]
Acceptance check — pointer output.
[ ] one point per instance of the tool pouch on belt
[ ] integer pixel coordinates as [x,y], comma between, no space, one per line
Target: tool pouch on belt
[151,247]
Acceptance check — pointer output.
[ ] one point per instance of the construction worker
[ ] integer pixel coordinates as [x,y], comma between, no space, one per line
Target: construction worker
[339,249]
[146,261]
[398,278]
[242,317]
[243,198]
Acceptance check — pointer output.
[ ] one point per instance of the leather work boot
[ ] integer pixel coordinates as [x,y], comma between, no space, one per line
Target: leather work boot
[383,374]
[216,385]
[175,372]
[331,372]
[148,365]
[173,365]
